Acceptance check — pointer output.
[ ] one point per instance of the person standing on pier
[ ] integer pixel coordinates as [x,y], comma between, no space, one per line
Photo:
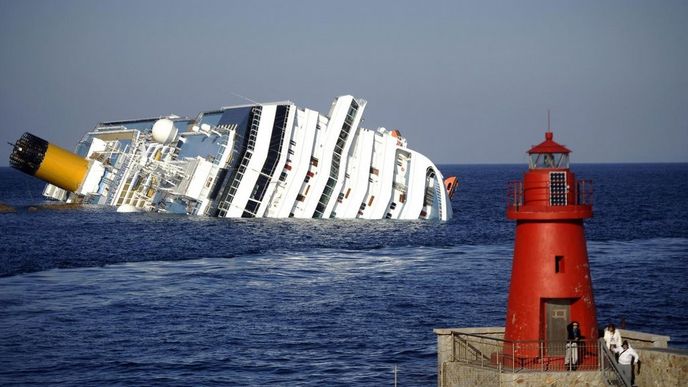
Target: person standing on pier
[574,336]
[628,358]
[612,337]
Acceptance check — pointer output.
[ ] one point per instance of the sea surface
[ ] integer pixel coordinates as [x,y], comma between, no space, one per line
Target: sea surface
[89,296]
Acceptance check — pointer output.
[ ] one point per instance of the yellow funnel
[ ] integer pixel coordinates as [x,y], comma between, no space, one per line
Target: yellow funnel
[48,162]
[62,168]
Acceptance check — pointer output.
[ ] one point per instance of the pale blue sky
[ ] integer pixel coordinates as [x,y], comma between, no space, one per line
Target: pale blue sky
[465,82]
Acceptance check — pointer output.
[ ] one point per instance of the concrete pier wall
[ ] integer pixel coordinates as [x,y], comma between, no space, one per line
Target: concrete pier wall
[461,375]
[661,366]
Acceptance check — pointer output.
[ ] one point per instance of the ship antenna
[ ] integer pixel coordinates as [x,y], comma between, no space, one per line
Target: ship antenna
[548,126]
[242,97]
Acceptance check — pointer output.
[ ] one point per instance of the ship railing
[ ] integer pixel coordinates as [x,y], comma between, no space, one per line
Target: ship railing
[429,196]
[226,204]
[507,356]
[121,166]
[109,128]
[438,197]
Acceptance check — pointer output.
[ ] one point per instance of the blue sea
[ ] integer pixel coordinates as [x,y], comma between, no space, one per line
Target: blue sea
[89,296]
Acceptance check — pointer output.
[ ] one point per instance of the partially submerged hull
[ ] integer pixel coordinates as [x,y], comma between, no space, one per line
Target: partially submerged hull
[262,160]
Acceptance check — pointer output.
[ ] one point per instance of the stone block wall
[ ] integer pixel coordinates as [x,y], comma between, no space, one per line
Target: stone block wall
[660,366]
[461,375]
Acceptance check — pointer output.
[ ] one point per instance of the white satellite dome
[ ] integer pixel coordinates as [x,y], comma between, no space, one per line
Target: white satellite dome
[164,131]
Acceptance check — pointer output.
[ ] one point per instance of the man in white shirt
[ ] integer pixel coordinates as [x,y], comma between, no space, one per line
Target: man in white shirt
[627,358]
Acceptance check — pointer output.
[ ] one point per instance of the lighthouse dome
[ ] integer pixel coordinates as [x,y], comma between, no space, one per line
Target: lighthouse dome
[549,154]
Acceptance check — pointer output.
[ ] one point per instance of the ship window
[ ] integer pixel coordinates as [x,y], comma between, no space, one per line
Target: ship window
[370,202]
[348,191]
[314,161]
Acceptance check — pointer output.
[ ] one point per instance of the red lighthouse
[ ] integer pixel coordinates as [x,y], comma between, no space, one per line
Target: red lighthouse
[550,278]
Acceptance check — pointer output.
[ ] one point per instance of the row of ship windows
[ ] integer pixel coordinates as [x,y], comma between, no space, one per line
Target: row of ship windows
[314,161]
[283,175]
[392,206]
[341,196]
[338,150]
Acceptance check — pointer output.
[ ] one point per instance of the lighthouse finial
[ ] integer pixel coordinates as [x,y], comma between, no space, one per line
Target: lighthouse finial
[548,127]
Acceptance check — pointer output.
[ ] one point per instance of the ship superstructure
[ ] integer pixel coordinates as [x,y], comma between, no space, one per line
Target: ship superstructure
[259,160]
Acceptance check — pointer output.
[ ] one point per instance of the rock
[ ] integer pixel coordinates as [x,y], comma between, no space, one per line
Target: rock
[4,208]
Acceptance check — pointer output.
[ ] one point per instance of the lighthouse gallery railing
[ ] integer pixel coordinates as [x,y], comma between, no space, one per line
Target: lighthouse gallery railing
[582,193]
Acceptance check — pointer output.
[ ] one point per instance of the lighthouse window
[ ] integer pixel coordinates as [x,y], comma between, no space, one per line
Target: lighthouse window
[549,160]
[559,264]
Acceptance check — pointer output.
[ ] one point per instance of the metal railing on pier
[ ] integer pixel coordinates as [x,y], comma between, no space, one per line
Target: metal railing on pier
[512,357]
[525,356]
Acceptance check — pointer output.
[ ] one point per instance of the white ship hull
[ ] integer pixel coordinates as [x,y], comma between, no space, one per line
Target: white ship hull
[263,160]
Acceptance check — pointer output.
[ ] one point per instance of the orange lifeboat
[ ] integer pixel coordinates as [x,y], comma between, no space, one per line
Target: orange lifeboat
[450,184]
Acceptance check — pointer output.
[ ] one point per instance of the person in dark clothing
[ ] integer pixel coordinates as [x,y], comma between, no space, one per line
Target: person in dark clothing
[574,337]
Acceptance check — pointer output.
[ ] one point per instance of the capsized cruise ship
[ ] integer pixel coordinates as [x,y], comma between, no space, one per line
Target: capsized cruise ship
[259,160]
